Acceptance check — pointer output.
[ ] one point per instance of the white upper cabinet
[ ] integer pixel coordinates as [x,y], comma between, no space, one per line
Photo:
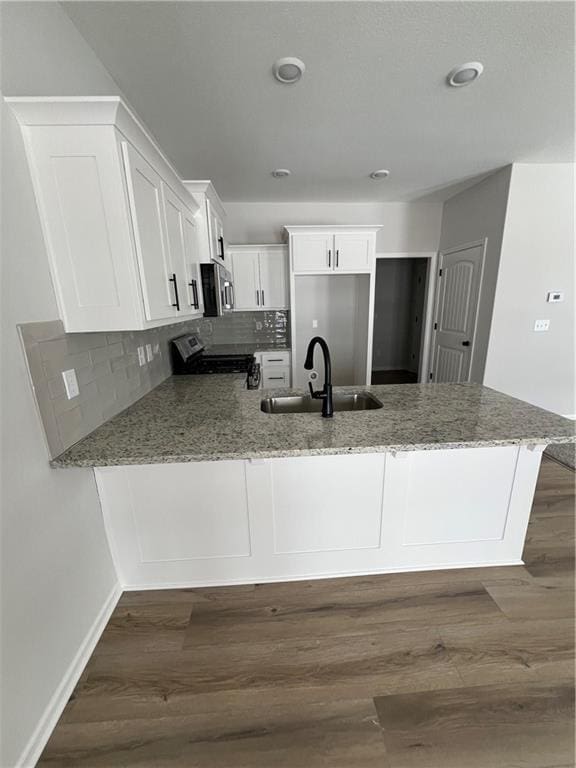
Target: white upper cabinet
[211,218]
[353,252]
[116,218]
[312,252]
[154,249]
[260,277]
[192,263]
[274,278]
[246,271]
[321,250]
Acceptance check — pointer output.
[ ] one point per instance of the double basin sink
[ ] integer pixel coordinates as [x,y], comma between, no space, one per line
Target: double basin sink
[346,401]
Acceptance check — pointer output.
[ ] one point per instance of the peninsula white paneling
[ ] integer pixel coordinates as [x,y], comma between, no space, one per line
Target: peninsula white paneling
[190,498]
[313,516]
[327,502]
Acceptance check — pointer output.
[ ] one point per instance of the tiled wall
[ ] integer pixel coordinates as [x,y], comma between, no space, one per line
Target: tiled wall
[106,364]
[271,328]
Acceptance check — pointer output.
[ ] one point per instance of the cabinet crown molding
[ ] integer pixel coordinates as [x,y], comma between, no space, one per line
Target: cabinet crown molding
[206,188]
[293,229]
[36,111]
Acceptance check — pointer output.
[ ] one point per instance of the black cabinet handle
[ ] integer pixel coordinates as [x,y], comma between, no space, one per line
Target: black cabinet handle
[257,298]
[263,302]
[173,280]
[329,257]
[221,244]
[194,287]
[337,256]
[465,343]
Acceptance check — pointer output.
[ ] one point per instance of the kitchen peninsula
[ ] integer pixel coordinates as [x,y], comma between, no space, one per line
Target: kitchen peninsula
[199,486]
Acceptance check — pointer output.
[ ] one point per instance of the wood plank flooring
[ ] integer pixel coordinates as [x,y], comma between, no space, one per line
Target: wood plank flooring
[446,669]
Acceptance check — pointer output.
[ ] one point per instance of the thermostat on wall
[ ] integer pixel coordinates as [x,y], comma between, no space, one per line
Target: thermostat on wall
[555,296]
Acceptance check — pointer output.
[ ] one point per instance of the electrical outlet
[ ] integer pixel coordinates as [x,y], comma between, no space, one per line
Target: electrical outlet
[542,325]
[156,349]
[149,354]
[258,325]
[70,383]
[141,356]
[314,323]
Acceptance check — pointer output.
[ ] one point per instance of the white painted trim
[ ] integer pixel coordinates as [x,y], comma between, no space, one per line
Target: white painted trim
[331,228]
[207,189]
[39,738]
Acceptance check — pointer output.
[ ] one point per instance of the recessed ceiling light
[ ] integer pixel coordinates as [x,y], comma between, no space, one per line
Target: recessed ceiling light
[465,74]
[381,174]
[288,70]
[281,173]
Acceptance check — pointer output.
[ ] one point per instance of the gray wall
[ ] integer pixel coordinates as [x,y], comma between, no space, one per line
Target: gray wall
[477,213]
[405,226]
[56,568]
[537,257]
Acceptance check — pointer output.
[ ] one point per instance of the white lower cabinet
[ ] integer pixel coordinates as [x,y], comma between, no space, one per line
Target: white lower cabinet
[229,522]
[275,369]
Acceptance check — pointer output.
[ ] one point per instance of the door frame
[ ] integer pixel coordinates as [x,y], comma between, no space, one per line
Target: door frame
[426,337]
[482,243]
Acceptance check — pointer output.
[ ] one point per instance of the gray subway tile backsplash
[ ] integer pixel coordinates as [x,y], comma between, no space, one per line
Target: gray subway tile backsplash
[109,376]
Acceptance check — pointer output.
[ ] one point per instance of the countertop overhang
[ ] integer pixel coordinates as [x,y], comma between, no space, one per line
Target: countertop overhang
[214,418]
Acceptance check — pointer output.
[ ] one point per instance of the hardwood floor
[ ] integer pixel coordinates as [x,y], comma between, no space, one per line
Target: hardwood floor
[444,669]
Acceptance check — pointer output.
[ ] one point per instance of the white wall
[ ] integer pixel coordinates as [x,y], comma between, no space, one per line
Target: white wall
[56,568]
[537,257]
[406,226]
[477,213]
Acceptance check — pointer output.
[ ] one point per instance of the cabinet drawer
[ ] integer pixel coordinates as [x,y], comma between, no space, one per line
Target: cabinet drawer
[273,378]
[275,358]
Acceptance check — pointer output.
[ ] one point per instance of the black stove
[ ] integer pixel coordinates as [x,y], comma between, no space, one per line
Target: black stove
[189,357]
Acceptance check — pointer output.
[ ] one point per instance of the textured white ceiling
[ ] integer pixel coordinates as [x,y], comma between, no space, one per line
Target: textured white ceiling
[373,95]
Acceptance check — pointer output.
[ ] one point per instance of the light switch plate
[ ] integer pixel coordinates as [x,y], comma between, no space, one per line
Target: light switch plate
[554,296]
[71,383]
[542,325]
[141,356]
[149,354]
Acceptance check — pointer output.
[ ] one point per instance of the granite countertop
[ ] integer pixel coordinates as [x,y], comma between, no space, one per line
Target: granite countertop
[208,418]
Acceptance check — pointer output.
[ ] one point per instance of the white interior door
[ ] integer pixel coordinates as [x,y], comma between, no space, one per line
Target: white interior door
[353,253]
[313,253]
[245,267]
[146,207]
[274,280]
[456,312]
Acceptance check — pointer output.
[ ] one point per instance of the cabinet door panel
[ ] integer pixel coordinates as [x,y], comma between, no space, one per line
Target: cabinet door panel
[312,253]
[192,263]
[245,265]
[174,213]
[79,184]
[146,205]
[353,253]
[274,280]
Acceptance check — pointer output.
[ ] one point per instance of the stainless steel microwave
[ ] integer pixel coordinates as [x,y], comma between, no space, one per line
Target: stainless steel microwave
[217,289]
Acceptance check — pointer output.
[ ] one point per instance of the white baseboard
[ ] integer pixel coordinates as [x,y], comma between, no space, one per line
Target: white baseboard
[55,707]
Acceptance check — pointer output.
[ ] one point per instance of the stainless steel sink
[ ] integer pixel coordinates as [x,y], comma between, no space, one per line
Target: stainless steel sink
[355,401]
